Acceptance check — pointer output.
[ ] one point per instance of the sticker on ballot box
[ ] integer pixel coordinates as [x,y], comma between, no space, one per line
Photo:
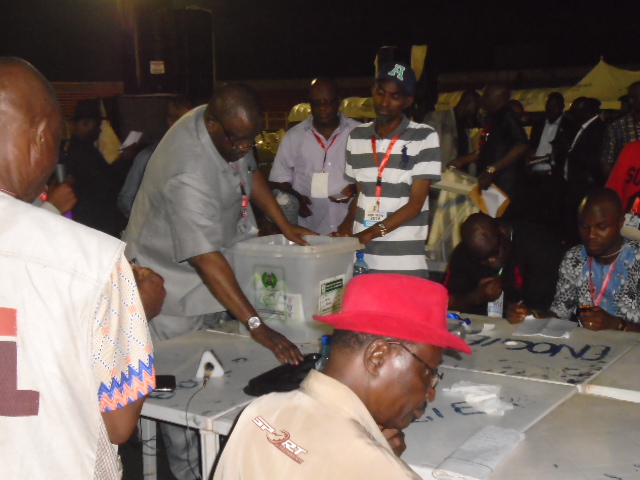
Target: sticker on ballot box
[270,291]
[331,293]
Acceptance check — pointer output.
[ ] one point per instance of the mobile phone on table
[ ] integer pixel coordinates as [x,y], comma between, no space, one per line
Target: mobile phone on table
[165,383]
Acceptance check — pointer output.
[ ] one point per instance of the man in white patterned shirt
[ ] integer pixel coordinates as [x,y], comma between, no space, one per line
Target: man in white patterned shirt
[75,350]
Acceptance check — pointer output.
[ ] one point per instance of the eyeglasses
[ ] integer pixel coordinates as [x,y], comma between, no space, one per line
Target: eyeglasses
[234,143]
[435,375]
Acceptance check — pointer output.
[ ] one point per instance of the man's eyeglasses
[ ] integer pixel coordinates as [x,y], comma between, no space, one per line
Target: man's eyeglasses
[435,375]
[234,144]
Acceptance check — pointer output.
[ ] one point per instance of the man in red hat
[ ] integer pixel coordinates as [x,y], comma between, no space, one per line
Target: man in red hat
[346,422]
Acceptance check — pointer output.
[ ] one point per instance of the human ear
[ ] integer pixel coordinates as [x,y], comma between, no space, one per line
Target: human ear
[37,141]
[375,355]
[407,102]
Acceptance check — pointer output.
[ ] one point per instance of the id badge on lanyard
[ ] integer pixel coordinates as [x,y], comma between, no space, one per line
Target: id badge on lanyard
[373,213]
[320,181]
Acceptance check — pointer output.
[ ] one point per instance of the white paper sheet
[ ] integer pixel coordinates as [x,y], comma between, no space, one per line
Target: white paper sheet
[493,198]
[132,138]
[545,327]
[479,456]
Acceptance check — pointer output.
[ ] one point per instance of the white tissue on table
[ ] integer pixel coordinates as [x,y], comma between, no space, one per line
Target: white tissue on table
[485,398]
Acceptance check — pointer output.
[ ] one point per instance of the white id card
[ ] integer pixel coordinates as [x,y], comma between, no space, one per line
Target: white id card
[373,215]
[320,185]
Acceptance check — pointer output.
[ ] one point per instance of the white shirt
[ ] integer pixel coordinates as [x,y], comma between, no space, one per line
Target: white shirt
[300,156]
[544,147]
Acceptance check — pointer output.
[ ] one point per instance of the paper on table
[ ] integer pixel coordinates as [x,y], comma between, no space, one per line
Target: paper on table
[479,456]
[132,138]
[546,327]
[484,398]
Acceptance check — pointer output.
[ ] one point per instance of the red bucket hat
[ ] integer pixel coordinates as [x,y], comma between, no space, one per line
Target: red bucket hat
[399,306]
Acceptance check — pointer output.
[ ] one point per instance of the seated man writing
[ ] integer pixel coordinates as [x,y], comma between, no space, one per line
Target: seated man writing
[600,277]
[511,265]
[345,422]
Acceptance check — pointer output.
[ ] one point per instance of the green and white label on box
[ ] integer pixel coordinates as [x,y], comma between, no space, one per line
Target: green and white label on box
[331,293]
[270,288]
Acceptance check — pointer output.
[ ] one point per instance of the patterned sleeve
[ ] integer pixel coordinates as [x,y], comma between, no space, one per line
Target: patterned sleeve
[122,350]
[609,145]
[567,294]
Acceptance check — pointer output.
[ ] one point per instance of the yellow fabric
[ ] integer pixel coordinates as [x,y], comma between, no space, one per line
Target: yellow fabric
[604,82]
[418,56]
[108,143]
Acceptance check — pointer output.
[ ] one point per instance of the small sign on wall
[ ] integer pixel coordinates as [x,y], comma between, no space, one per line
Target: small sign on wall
[156,67]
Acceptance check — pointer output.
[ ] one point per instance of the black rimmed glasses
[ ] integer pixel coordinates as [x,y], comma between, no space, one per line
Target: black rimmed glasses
[234,143]
[435,375]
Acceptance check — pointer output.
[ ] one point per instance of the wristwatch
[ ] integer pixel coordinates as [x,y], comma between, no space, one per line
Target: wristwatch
[253,323]
[491,169]
[383,228]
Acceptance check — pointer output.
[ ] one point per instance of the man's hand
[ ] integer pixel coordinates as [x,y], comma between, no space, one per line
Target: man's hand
[596,318]
[365,236]
[349,191]
[485,180]
[344,230]
[61,196]
[267,228]
[129,153]
[151,290]
[282,348]
[395,438]
[488,289]
[303,210]
[295,233]
[516,312]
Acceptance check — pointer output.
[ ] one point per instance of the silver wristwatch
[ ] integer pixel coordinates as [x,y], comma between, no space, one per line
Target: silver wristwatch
[253,323]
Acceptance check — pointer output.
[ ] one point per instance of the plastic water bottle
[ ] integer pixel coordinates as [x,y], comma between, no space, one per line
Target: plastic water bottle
[460,326]
[360,266]
[326,350]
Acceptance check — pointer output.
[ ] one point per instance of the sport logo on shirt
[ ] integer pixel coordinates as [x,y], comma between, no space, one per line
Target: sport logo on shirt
[281,440]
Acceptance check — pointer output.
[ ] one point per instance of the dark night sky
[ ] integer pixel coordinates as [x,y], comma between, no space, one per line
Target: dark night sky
[80,40]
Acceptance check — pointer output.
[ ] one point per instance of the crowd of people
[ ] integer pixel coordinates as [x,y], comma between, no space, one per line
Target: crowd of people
[92,306]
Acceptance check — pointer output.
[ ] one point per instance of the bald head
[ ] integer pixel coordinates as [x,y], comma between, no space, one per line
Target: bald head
[604,199]
[233,118]
[233,100]
[478,228]
[30,128]
[322,83]
[324,99]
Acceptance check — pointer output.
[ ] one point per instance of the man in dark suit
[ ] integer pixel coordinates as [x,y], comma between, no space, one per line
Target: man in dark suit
[583,169]
[546,182]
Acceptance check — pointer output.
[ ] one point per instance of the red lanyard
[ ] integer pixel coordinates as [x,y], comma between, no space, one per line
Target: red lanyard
[245,198]
[324,149]
[385,160]
[592,288]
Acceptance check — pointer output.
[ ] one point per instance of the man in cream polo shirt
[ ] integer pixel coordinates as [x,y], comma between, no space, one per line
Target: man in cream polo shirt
[347,421]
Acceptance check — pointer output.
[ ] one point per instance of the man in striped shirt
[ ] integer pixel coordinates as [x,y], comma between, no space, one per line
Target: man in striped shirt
[392,161]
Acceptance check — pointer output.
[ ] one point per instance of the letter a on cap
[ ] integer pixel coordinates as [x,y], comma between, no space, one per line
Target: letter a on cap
[398,71]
